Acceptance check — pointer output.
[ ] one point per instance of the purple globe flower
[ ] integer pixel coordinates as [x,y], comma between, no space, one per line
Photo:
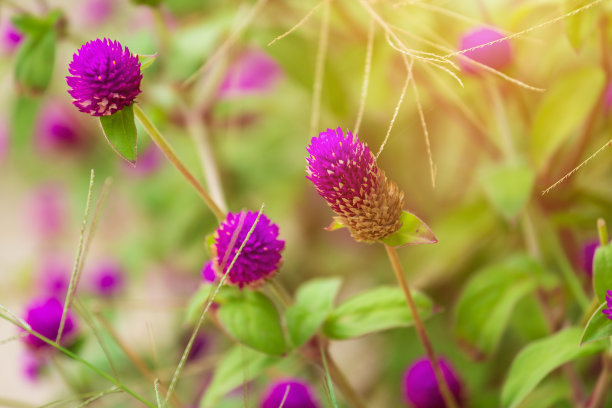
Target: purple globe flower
[10,37]
[497,56]
[57,128]
[105,77]
[107,279]
[420,386]
[44,316]
[299,395]
[97,11]
[261,255]
[253,72]
[346,175]
[31,365]
[608,310]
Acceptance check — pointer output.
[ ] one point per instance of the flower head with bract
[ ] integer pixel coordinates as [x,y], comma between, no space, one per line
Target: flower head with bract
[44,316]
[105,77]
[420,386]
[608,310]
[346,175]
[261,255]
[299,395]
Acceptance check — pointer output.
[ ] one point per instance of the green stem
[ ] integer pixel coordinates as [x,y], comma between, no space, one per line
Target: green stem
[82,361]
[167,150]
[602,230]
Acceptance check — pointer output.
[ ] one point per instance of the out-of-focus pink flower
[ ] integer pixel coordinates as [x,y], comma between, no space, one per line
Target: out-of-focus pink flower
[208,273]
[58,128]
[32,365]
[44,316]
[47,210]
[497,56]
[10,37]
[253,72]
[147,162]
[4,140]
[97,11]
[107,279]
[588,253]
[54,276]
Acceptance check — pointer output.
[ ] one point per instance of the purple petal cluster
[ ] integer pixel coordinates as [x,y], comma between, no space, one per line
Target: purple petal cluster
[105,77]
[44,316]
[608,310]
[261,255]
[299,396]
[420,386]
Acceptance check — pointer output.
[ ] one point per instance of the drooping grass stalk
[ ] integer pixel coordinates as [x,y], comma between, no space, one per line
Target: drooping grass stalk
[77,358]
[448,396]
[183,359]
[77,261]
[282,404]
[319,69]
[97,397]
[169,153]
[328,381]
[366,76]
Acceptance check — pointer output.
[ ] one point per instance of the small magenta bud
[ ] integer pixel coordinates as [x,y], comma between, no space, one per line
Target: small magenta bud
[421,387]
[10,37]
[299,395]
[44,316]
[208,272]
[497,56]
[58,129]
[107,279]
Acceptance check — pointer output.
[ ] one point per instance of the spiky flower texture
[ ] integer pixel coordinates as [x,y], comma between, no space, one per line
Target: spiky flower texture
[261,255]
[345,174]
[105,77]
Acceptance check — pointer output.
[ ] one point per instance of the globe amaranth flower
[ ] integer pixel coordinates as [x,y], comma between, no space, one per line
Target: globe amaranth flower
[261,255]
[44,316]
[299,395]
[10,37]
[608,310]
[497,55]
[107,279]
[105,77]
[346,175]
[253,72]
[420,387]
[57,128]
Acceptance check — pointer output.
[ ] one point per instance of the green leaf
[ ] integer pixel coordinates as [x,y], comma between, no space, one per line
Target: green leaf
[564,107]
[539,358]
[251,318]
[24,113]
[120,131]
[508,187]
[313,303]
[239,365]
[35,60]
[598,326]
[412,232]
[484,309]
[335,225]
[378,309]
[602,271]
[579,26]
[548,394]
[146,61]
[197,304]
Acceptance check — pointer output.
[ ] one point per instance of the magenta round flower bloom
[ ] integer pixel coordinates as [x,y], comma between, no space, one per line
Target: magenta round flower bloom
[44,316]
[497,56]
[608,310]
[299,396]
[107,279]
[105,77]
[420,387]
[261,256]
[57,128]
[149,161]
[253,72]
[10,36]
[346,175]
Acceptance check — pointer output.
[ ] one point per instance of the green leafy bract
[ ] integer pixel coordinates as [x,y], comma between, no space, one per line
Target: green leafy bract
[598,326]
[412,232]
[120,131]
[602,271]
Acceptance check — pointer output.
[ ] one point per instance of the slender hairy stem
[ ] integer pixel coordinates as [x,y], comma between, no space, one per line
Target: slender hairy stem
[449,399]
[602,386]
[167,150]
[328,380]
[340,380]
[80,360]
[319,69]
[366,76]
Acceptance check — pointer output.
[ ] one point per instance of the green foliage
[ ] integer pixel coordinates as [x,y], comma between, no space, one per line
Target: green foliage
[486,303]
[120,131]
[378,309]
[602,271]
[541,357]
[564,107]
[598,326]
[314,301]
[25,110]
[508,187]
[146,61]
[251,318]
[580,26]
[412,232]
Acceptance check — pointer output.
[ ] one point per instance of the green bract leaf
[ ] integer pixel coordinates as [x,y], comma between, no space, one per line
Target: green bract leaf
[539,358]
[251,318]
[335,225]
[378,309]
[146,61]
[579,26]
[239,365]
[412,232]
[313,303]
[598,326]
[35,60]
[602,271]
[120,131]
[564,107]
[486,304]
[23,119]
[508,187]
